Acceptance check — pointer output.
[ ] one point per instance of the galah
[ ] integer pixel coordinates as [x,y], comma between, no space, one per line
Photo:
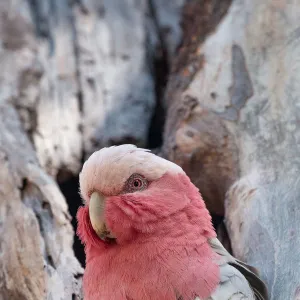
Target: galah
[148,235]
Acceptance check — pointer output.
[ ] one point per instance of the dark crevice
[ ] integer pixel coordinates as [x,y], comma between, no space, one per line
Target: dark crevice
[70,189]
[161,70]
[217,220]
[78,275]
[155,133]
[23,186]
[63,174]
[50,261]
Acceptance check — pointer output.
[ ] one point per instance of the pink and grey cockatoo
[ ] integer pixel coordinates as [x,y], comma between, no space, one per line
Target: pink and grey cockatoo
[149,236]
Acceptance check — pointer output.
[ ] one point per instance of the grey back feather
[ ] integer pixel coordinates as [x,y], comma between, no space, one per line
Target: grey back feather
[238,280]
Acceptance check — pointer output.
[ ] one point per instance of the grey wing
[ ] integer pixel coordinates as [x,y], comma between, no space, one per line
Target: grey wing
[238,280]
[233,285]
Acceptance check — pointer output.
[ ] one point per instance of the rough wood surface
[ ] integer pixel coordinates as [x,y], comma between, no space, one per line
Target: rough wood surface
[237,116]
[114,66]
[83,77]
[79,74]
[194,137]
[39,76]
[37,259]
[262,214]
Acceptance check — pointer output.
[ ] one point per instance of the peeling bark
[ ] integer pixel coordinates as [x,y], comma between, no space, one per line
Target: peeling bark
[233,125]
[194,137]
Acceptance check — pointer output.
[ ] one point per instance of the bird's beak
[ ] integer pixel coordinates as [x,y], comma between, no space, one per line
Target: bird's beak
[96,212]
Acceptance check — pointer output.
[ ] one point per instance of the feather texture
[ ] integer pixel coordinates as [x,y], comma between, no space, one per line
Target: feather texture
[238,281]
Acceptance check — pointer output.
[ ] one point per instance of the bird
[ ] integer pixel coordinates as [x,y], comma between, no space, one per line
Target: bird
[148,235]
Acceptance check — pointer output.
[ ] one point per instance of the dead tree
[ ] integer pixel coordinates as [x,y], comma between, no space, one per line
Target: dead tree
[233,124]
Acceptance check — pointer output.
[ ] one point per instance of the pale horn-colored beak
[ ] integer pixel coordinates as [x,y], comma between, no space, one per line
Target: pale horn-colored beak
[96,212]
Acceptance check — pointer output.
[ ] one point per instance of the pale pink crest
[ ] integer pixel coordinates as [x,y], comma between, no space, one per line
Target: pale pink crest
[106,170]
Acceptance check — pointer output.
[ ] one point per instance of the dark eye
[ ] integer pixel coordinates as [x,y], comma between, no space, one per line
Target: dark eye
[135,182]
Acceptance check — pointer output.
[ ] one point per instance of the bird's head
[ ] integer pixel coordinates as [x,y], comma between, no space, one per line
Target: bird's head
[130,193]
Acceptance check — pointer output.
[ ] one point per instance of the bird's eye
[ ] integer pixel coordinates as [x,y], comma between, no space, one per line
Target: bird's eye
[135,182]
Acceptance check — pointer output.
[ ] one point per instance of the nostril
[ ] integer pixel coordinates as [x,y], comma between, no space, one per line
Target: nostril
[90,193]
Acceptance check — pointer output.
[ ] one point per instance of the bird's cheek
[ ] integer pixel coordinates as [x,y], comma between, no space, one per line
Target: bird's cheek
[118,222]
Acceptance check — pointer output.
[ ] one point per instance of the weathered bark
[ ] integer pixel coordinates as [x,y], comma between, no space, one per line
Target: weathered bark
[80,73]
[194,137]
[262,215]
[237,116]
[117,87]
[38,54]
[37,259]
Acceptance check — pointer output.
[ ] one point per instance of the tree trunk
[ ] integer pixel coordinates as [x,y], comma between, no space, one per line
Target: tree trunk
[37,259]
[75,76]
[233,119]
[81,73]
